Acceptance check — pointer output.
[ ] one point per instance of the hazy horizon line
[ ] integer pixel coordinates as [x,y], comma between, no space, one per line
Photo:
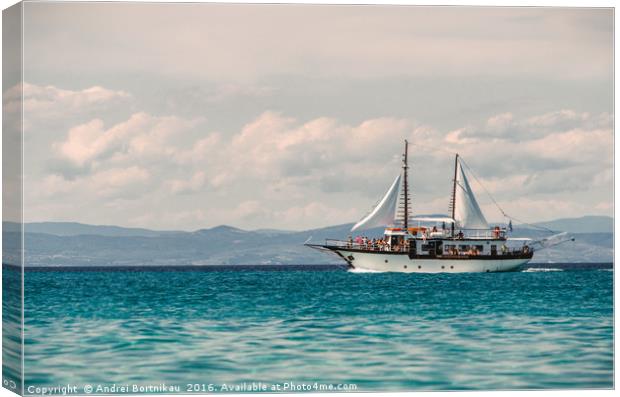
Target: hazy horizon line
[273,228]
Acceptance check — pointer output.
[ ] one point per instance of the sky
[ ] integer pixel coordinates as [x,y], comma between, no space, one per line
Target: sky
[189,116]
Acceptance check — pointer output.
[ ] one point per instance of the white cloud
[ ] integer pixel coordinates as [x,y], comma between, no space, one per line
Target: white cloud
[115,183]
[50,103]
[576,145]
[519,92]
[506,126]
[50,99]
[196,183]
[116,179]
[556,139]
[557,164]
[281,151]
[85,142]
[277,171]
[141,136]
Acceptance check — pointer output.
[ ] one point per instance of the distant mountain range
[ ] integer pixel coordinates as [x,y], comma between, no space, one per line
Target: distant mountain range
[585,224]
[76,244]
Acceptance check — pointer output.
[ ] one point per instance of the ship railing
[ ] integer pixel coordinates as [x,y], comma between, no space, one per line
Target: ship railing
[368,246]
[494,233]
[481,233]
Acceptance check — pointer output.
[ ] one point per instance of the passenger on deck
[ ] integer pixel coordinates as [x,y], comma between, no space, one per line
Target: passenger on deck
[460,235]
[434,229]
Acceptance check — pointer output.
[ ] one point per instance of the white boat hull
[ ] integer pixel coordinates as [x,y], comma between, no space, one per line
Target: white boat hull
[400,262]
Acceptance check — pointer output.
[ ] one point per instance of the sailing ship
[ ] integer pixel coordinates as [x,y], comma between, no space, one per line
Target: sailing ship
[461,242]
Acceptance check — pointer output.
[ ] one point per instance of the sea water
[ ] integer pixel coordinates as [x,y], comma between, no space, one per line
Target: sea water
[201,328]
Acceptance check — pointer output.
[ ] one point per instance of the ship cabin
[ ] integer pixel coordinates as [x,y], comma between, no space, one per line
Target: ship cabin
[434,241]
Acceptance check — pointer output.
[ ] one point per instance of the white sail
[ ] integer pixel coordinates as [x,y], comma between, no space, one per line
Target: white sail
[385,212]
[467,213]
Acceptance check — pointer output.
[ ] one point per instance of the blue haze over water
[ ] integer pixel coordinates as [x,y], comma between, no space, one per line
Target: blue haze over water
[380,331]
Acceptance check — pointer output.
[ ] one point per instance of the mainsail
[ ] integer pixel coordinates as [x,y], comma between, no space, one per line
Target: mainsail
[467,213]
[385,212]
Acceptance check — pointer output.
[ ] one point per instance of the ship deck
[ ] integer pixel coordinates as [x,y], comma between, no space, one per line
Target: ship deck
[342,247]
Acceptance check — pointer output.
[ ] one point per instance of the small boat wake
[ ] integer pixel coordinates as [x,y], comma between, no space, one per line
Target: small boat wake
[360,270]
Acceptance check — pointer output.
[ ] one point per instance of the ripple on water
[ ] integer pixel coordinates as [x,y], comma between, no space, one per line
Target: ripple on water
[384,331]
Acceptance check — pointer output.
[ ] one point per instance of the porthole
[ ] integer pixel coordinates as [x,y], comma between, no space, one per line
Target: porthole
[443,267]
[386,261]
[451,267]
[419,267]
[405,266]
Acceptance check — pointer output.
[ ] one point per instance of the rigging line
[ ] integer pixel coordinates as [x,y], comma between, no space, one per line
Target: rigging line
[484,187]
[532,225]
[498,206]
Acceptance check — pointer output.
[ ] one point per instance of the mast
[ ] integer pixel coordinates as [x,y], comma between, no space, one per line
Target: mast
[406,187]
[453,201]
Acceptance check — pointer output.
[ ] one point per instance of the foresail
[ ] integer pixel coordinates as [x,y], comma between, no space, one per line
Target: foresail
[384,213]
[467,213]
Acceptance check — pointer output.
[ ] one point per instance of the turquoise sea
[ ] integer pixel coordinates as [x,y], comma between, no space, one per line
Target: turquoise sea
[536,329]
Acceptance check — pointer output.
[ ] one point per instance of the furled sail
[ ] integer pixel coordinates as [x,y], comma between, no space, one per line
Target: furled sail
[385,212]
[467,213]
